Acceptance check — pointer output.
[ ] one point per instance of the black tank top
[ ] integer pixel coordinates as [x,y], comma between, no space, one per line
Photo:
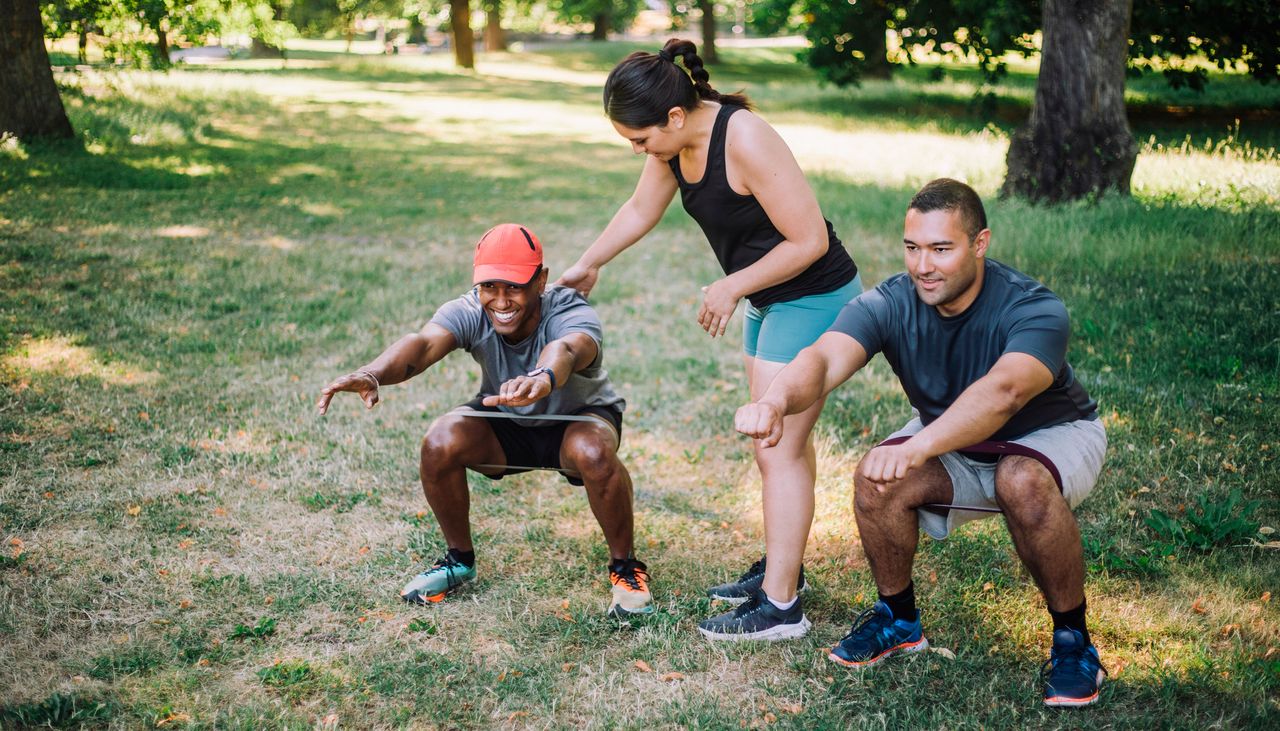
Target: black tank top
[741,233]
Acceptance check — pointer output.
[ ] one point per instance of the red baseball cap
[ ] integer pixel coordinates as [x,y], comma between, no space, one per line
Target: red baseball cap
[508,253]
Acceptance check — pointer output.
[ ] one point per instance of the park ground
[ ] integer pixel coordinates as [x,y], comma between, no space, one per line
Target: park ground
[187,545]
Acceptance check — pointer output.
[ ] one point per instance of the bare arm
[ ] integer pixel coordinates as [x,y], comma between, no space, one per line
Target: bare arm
[814,373]
[406,358]
[985,406]
[637,217]
[761,161]
[564,356]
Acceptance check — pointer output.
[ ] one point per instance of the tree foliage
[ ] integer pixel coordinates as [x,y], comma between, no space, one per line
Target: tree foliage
[603,15]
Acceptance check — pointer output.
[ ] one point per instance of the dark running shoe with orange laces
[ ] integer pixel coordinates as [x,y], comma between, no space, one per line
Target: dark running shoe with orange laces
[630,580]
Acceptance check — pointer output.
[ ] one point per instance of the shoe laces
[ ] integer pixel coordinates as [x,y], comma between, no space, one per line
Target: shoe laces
[756,569]
[448,563]
[632,575]
[866,625]
[1077,661]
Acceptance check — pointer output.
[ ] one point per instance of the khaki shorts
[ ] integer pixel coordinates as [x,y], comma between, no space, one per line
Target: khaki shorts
[1072,452]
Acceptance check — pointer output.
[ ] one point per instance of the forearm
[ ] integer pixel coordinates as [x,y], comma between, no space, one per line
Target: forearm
[978,413]
[407,357]
[800,384]
[784,262]
[628,226]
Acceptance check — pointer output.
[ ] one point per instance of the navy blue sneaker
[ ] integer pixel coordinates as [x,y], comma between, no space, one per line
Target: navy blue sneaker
[757,619]
[877,636]
[1073,673]
[737,592]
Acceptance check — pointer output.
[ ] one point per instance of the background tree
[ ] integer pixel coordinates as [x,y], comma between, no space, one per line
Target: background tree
[464,41]
[1224,32]
[495,38]
[76,17]
[1077,141]
[603,15]
[31,105]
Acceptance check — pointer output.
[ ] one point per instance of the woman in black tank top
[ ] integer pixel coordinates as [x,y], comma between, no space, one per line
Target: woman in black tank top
[740,182]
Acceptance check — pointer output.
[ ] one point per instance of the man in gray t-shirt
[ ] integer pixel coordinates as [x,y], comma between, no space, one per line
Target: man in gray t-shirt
[1001,425]
[545,399]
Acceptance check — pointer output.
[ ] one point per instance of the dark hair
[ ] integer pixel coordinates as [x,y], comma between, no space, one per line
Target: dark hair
[644,86]
[945,194]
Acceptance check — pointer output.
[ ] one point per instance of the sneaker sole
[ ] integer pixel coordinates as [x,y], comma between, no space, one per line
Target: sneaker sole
[425,599]
[919,645]
[618,612]
[773,634]
[734,601]
[1064,702]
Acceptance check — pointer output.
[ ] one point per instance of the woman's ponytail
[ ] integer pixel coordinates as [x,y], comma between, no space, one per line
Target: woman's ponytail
[643,87]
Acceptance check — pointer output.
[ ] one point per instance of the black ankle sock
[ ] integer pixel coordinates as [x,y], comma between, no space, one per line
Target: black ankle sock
[903,604]
[466,558]
[1071,619]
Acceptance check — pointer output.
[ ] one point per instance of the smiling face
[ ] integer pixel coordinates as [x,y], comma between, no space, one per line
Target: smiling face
[944,264]
[513,309]
[661,141]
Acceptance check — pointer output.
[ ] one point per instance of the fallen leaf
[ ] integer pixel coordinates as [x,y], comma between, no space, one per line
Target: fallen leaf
[1229,467]
[944,652]
[362,620]
[794,709]
[770,718]
[643,666]
[172,718]
[184,545]
[267,602]
[1198,605]
[363,550]
[517,714]
[162,572]
[220,512]
[1266,530]
[1266,597]
[134,509]
[48,495]
[568,666]
[185,604]
[671,677]
[203,662]
[933,577]
[330,721]
[144,416]
[1229,629]
[564,604]
[988,586]
[1271,652]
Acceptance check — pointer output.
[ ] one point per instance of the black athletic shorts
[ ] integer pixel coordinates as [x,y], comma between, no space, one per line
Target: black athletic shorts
[539,446]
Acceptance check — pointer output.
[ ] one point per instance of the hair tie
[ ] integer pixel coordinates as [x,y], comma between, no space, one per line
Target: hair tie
[666,55]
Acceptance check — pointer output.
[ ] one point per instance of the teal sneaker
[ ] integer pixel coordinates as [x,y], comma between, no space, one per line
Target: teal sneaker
[877,636]
[432,585]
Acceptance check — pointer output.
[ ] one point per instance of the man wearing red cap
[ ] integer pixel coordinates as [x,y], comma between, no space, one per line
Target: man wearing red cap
[540,355]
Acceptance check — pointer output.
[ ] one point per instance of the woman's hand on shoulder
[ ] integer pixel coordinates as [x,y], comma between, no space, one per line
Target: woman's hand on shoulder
[581,278]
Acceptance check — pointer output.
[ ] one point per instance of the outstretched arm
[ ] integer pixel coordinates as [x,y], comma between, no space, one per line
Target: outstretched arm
[636,217]
[564,357]
[985,406]
[814,373]
[406,358]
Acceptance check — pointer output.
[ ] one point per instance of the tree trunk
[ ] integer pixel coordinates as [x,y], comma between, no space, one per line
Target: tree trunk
[600,27]
[877,64]
[162,46]
[30,105]
[494,37]
[708,49]
[82,46]
[464,42]
[1077,141]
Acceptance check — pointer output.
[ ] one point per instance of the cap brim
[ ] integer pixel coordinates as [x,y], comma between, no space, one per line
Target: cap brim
[507,274]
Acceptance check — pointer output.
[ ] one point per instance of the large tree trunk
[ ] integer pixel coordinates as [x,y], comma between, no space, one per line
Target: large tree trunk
[464,42]
[494,37]
[877,64]
[29,101]
[82,46]
[162,46]
[1077,142]
[708,49]
[600,27]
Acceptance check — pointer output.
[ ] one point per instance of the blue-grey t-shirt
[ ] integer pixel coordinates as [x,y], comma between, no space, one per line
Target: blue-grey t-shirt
[936,357]
[564,311]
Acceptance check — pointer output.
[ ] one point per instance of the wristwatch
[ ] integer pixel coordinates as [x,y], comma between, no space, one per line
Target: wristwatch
[551,375]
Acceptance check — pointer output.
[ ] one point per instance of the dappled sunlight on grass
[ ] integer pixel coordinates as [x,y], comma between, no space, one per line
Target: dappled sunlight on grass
[59,356]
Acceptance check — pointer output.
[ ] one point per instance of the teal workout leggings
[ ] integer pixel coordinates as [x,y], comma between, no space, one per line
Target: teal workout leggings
[778,332]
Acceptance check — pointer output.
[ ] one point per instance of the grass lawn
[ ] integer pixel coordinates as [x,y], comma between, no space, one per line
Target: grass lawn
[186,545]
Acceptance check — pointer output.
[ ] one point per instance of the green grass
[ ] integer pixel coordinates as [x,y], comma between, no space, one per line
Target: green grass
[184,541]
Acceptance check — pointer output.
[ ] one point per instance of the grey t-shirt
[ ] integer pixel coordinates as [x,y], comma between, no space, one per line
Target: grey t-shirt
[936,358]
[564,311]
